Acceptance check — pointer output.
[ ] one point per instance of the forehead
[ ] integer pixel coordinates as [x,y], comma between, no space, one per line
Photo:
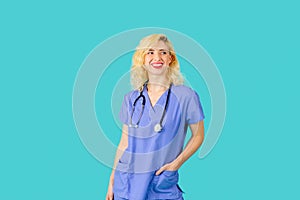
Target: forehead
[158,46]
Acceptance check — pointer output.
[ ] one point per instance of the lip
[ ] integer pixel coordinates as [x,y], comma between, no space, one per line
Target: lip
[157,65]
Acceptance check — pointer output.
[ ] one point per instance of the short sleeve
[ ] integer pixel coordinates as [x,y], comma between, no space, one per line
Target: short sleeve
[194,109]
[124,114]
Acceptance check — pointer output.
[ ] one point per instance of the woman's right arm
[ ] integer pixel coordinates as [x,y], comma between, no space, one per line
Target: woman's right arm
[121,148]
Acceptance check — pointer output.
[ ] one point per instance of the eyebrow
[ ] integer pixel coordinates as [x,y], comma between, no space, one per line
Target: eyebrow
[159,50]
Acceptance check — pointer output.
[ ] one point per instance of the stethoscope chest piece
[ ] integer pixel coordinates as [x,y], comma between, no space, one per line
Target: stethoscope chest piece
[157,128]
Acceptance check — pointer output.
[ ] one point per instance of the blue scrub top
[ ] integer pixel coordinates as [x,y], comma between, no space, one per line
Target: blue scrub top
[148,150]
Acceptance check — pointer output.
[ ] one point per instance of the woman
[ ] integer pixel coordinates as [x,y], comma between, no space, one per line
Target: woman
[155,117]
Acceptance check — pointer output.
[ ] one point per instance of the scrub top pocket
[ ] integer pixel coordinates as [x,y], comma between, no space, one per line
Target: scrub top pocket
[164,186]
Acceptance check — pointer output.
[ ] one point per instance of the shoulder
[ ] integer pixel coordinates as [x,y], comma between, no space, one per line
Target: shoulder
[132,94]
[183,91]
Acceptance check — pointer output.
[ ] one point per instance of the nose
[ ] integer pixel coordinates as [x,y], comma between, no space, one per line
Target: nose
[156,56]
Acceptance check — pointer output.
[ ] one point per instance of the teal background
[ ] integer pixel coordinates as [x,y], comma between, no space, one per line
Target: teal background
[254,44]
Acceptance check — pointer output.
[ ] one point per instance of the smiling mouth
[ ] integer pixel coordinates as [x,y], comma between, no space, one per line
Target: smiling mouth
[157,65]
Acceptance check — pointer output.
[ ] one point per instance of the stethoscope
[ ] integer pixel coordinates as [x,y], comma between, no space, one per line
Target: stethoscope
[158,127]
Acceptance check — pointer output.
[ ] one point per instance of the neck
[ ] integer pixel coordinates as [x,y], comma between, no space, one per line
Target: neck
[158,83]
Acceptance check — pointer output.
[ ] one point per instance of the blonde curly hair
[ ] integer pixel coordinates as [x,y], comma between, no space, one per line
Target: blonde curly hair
[138,75]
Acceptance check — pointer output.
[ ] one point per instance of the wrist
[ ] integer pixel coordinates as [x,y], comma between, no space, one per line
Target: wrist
[111,178]
[178,162]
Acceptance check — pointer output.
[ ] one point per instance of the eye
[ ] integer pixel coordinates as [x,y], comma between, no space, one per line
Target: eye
[163,52]
[150,52]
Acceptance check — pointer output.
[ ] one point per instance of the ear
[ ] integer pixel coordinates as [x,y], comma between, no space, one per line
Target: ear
[171,59]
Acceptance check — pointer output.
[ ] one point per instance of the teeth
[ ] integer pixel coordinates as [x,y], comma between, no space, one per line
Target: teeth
[156,65]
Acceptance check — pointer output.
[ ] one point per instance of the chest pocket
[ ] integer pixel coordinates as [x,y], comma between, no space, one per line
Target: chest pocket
[165,186]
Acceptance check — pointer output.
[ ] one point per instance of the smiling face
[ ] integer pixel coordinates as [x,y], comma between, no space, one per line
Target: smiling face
[157,59]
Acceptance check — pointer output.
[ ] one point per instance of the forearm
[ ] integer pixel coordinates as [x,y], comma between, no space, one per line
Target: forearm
[193,144]
[120,150]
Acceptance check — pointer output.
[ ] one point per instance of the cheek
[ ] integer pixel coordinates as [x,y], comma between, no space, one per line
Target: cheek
[147,59]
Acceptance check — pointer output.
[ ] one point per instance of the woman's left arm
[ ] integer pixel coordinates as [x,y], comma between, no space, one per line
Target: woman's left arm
[193,144]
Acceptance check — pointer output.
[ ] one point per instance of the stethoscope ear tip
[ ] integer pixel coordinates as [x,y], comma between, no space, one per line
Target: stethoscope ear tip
[133,126]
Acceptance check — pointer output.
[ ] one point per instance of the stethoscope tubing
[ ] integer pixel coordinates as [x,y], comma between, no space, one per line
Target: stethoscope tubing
[158,127]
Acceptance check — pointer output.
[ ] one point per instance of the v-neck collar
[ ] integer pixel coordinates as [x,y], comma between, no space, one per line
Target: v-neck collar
[148,101]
